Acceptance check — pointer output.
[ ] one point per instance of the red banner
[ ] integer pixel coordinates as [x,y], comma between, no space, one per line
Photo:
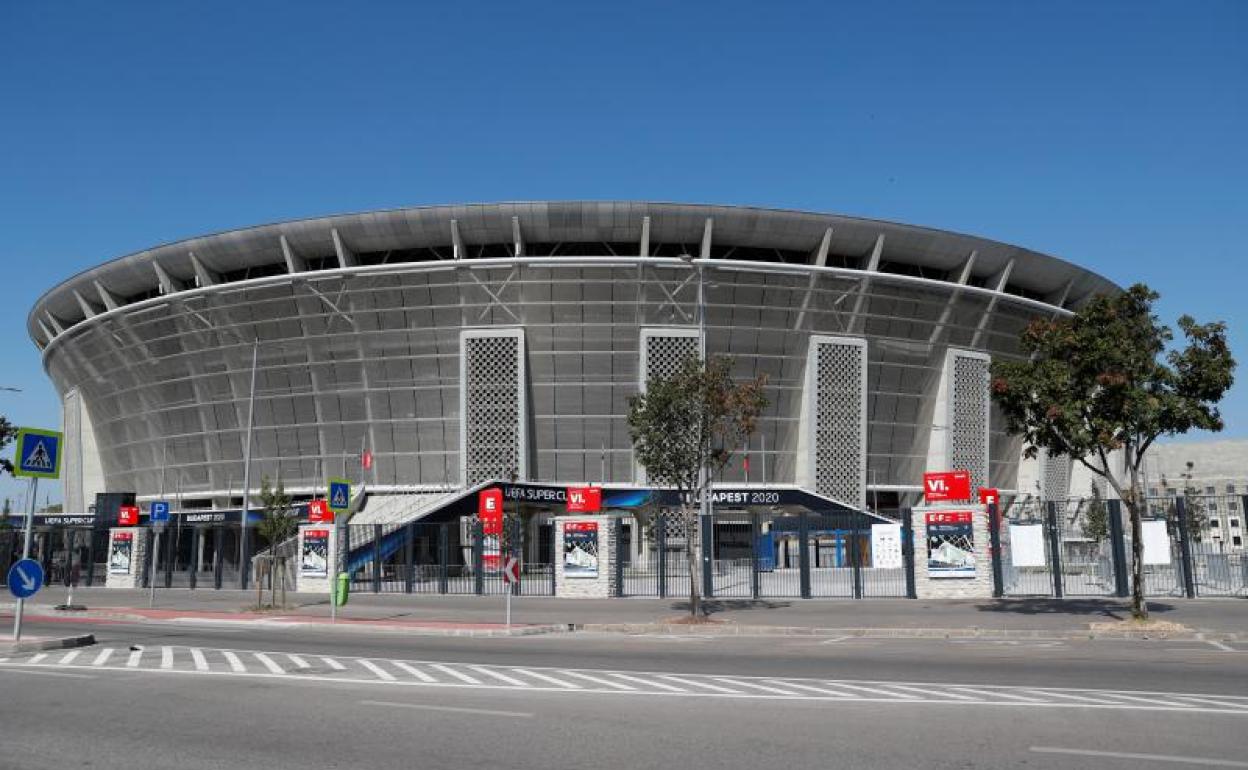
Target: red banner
[949,517]
[989,496]
[949,485]
[319,513]
[490,511]
[127,516]
[584,499]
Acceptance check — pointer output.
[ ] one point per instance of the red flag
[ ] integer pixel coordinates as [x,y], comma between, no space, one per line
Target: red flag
[745,463]
[366,459]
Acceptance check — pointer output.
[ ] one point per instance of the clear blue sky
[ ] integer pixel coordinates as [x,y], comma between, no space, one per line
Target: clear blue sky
[1113,134]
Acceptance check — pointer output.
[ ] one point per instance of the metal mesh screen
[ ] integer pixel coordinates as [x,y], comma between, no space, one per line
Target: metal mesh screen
[71,418]
[1054,476]
[666,353]
[492,408]
[968,413]
[840,404]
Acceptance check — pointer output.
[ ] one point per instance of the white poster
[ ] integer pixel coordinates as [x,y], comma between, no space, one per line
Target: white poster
[1156,542]
[1027,545]
[886,546]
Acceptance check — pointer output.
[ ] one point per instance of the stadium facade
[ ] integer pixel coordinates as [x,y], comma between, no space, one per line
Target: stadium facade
[458,344]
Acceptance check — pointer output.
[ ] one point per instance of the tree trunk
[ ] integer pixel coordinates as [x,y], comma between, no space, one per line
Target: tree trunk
[1139,606]
[259,583]
[692,557]
[272,579]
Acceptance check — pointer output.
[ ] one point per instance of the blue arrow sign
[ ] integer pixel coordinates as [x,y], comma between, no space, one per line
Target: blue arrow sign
[159,512]
[25,578]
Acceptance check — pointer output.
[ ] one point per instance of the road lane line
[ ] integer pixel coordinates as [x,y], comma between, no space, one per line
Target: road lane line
[930,694]
[451,709]
[377,670]
[166,657]
[268,662]
[1220,646]
[197,656]
[999,694]
[597,680]
[103,656]
[694,683]
[819,690]
[421,675]
[236,665]
[69,657]
[491,672]
[763,687]
[1215,701]
[298,661]
[544,678]
[36,658]
[1072,696]
[454,673]
[649,683]
[133,660]
[1206,761]
[33,672]
[874,691]
[335,665]
[1153,701]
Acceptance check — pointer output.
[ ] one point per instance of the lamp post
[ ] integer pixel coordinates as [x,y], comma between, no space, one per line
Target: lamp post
[251,414]
[704,480]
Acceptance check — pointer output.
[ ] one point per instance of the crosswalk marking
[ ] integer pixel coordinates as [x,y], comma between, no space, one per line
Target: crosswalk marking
[544,678]
[1071,696]
[69,657]
[598,680]
[335,665]
[763,687]
[166,657]
[1150,701]
[499,675]
[197,656]
[874,692]
[1212,701]
[104,655]
[268,663]
[421,675]
[378,670]
[135,657]
[927,692]
[236,665]
[648,683]
[38,657]
[990,694]
[298,661]
[458,675]
[707,685]
[820,690]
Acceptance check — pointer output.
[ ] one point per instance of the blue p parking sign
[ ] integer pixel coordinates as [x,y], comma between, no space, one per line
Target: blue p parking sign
[38,454]
[159,512]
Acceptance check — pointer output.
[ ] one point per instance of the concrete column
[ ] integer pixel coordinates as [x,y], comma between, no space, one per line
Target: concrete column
[974,581]
[315,558]
[127,555]
[585,556]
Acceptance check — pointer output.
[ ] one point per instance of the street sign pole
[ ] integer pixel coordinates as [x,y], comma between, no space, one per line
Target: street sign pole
[151,569]
[30,533]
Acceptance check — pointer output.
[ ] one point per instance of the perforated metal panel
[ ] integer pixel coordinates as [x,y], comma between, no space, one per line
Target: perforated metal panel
[838,385]
[493,415]
[1054,476]
[663,351]
[968,414]
[71,419]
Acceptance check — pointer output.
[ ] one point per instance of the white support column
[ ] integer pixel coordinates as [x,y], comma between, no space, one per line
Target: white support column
[162,278]
[294,262]
[832,445]
[517,237]
[873,265]
[644,248]
[87,310]
[106,296]
[203,276]
[1003,278]
[960,429]
[964,275]
[56,324]
[457,243]
[819,259]
[705,251]
[346,257]
[47,333]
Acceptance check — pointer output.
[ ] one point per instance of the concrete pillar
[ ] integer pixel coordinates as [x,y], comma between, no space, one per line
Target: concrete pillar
[585,556]
[315,558]
[127,554]
[940,540]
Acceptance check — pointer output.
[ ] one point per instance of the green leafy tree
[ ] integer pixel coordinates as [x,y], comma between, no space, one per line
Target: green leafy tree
[1096,517]
[8,434]
[280,522]
[1197,516]
[689,422]
[1105,384]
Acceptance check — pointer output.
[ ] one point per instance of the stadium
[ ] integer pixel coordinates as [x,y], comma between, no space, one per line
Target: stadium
[452,346]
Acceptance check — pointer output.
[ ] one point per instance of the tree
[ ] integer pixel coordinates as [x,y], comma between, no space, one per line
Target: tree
[1096,518]
[1107,383]
[688,422]
[279,524]
[1197,518]
[7,435]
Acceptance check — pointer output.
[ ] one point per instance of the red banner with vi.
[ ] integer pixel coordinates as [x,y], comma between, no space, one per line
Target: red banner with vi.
[947,485]
[584,499]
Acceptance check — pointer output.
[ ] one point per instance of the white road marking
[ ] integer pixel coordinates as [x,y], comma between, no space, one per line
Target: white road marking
[693,683]
[999,694]
[1072,696]
[36,658]
[421,675]
[596,680]
[1231,703]
[1152,700]
[873,691]
[268,663]
[929,693]
[103,656]
[201,664]
[335,665]
[834,640]
[298,661]
[502,677]
[452,672]
[819,690]
[33,672]
[648,683]
[763,687]
[236,665]
[452,709]
[1208,762]
[166,657]
[133,660]
[378,671]
[544,678]
[69,657]
[1220,646]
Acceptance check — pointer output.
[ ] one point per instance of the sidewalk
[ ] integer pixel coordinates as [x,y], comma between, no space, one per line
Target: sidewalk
[883,617]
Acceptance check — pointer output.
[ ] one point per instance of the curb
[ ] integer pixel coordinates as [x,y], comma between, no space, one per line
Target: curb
[732,629]
[60,643]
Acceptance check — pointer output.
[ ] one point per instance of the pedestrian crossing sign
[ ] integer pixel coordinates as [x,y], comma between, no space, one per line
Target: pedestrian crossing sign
[38,454]
[339,495]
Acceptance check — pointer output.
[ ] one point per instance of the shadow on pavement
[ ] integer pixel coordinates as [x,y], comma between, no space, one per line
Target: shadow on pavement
[1116,610]
[712,606]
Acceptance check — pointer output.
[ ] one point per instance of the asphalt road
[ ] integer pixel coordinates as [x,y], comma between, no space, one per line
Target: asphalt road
[229,697]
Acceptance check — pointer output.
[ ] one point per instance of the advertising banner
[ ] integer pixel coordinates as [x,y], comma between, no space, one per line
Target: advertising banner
[314,553]
[950,544]
[319,513]
[949,485]
[120,551]
[886,546]
[128,516]
[584,499]
[1027,545]
[490,511]
[1156,542]
[580,549]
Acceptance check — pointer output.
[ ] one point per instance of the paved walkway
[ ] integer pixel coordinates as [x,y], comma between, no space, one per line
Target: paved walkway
[486,612]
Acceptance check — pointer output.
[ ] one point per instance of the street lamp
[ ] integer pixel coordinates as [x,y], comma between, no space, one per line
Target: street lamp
[704,481]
